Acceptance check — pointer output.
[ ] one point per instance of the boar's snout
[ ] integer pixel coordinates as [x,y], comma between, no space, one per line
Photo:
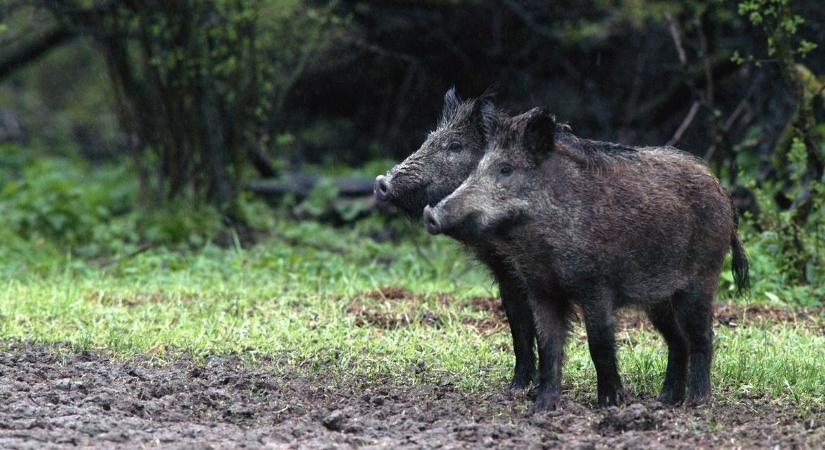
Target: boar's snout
[381,188]
[431,220]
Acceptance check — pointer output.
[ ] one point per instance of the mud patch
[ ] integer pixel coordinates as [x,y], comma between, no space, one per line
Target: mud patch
[90,400]
[733,316]
[629,319]
[391,308]
[367,316]
[737,315]
[725,315]
[486,326]
[495,319]
[490,305]
[391,293]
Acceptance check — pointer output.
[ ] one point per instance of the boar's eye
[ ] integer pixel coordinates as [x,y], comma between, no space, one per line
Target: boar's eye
[455,146]
[505,171]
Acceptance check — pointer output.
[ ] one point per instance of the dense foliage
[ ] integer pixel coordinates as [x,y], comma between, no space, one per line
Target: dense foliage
[196,84]
[133,124]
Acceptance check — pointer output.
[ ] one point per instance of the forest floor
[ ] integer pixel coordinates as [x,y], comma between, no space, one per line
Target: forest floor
[53,397]
[329,338]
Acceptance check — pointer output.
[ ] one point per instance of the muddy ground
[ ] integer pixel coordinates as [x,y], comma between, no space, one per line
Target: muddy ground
[66,400]
[411,307]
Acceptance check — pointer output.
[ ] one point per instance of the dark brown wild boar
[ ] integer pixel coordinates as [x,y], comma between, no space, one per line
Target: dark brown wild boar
[602,226]
[444,160]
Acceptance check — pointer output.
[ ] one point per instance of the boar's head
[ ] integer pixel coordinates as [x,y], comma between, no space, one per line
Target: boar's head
[445,159]
[497,193]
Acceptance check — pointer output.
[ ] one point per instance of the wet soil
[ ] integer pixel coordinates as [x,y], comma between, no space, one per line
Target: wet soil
[60,399]
[406,307]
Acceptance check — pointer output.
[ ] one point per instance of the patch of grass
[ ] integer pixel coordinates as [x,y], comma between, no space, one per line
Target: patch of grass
[312,297]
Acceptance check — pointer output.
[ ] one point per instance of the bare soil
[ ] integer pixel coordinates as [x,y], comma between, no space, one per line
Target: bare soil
[412,309]
[51,397]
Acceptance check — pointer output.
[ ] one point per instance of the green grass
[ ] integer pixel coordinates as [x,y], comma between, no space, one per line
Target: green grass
[291,298]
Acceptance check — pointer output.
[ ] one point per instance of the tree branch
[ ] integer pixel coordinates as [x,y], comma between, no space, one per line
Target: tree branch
[31,51]
[694,108]
[676,34]
[679,93]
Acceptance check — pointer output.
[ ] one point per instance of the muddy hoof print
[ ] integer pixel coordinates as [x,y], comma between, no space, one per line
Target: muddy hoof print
[636,417]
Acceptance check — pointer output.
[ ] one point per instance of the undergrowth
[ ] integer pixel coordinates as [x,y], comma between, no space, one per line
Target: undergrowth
[80,265]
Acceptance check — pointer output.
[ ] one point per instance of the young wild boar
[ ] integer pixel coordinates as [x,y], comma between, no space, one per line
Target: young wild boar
[602,226]
[445,159]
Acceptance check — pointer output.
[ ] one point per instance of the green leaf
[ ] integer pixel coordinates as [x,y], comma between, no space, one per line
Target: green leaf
[806,47]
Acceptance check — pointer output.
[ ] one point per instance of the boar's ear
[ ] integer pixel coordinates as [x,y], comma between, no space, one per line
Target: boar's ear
[539,128]
[451,104]
[485,115]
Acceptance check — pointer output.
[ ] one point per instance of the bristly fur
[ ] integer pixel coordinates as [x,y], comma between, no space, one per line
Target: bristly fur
[456,111]
[490,116]
[452,103]
[591,154]
[594,154]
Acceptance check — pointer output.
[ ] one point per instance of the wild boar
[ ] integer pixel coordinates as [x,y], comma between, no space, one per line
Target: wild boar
[444,160]
[601,226]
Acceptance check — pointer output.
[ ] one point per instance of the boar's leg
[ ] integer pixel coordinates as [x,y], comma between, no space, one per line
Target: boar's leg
[551,320]
[514,298]
[664,319]
[601,340]
[694,311]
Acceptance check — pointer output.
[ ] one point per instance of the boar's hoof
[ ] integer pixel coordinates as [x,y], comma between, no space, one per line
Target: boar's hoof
[613,397]
[546,401]
[669,397]
[519,383]
[523,375]
[697,399]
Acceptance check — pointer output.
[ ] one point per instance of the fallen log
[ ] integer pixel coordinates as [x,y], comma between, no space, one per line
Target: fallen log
[301,184]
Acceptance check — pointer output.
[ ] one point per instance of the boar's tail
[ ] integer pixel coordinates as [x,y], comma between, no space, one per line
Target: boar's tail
[739,265]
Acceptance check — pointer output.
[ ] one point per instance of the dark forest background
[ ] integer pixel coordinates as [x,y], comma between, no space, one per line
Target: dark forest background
[121,122]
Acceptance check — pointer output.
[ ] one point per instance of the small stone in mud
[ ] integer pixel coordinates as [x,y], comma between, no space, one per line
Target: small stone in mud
[238,412]
[64,384]
[334,421]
